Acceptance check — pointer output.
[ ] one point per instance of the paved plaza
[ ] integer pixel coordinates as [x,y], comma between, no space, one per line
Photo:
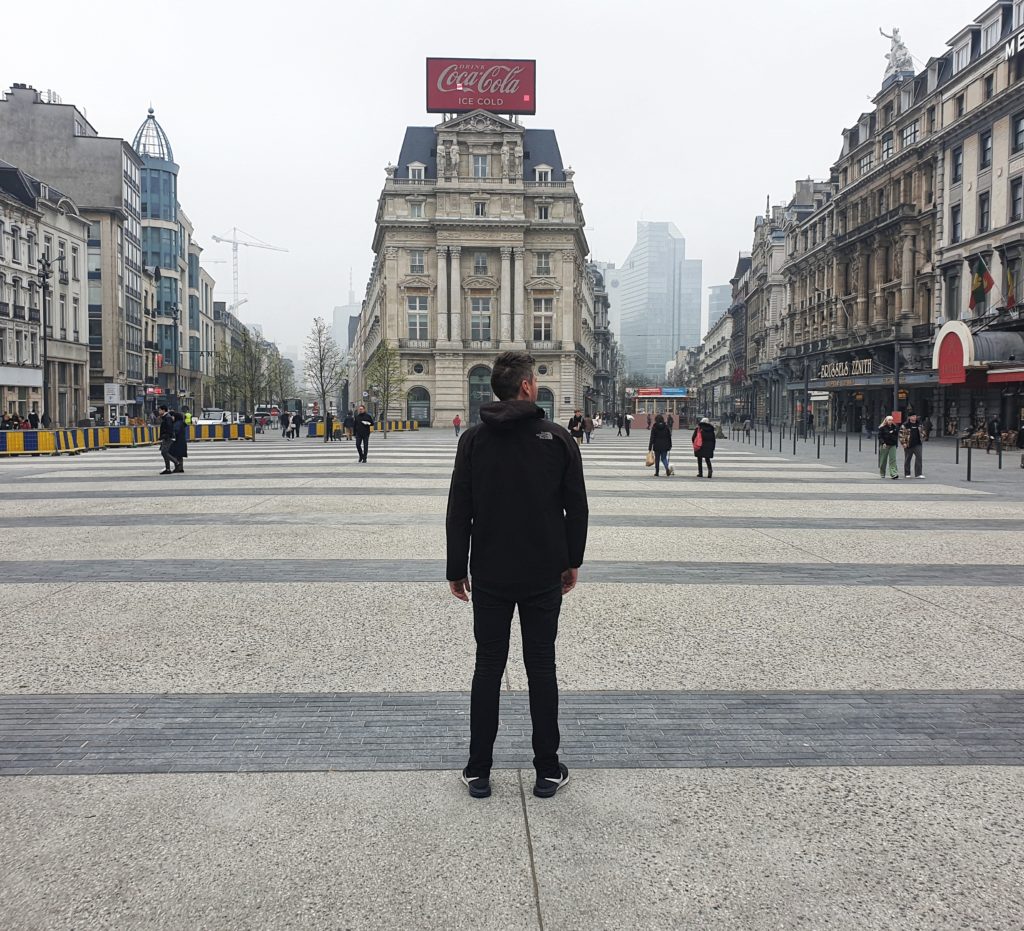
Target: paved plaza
[793,696]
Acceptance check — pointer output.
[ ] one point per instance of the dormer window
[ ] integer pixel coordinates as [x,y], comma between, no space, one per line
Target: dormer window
[1018,13]
[416,171]
[542,174]
[961,58]
[990,34]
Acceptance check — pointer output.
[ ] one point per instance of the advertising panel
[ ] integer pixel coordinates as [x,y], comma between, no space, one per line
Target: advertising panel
[457,85]
[662,392]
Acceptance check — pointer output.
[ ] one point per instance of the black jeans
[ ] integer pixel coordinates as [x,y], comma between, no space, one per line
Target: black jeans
[492,623]
[701,462]
[912,452]
[362,445]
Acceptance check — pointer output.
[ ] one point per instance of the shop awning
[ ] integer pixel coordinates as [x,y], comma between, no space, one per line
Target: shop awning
[995,356]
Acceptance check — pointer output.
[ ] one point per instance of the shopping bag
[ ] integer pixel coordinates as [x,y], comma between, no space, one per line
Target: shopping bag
[698,440]
[650,457]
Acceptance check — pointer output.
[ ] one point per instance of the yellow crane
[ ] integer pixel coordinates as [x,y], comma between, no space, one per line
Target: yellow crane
[253,243]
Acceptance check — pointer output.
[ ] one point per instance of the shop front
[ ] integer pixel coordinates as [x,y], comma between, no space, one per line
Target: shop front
[649,402]
[981,375]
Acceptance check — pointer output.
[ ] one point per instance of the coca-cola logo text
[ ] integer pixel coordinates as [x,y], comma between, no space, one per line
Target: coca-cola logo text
[497,79]
[502,85]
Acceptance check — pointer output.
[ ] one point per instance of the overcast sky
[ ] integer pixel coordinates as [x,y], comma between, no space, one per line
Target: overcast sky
[282,116]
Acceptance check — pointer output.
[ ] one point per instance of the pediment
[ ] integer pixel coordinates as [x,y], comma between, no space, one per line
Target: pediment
[480,281]
[415,281]
[542,284]
[480,121]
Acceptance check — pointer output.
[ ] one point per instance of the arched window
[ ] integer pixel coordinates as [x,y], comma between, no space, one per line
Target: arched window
[546,401]
[479,391]
[418,401]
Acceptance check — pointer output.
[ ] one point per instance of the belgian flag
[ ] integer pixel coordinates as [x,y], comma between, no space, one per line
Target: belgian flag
[981,282]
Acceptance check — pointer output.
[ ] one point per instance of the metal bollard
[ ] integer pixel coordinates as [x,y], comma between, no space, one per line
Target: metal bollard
[794,442]
[846,451]
[999,450]
[860,442]
[819,445]
[957,445]
[833,439]
[968,463]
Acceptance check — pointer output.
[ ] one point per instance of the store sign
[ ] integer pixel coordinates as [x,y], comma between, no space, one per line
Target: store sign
[662,392]
[1015,45]
[846,369]
[111,393]
[457,85]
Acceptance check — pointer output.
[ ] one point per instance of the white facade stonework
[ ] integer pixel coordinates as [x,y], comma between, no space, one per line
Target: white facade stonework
[479,249]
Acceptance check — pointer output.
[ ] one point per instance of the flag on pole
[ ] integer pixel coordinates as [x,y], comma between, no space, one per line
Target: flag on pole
[981,282]
[1011,288]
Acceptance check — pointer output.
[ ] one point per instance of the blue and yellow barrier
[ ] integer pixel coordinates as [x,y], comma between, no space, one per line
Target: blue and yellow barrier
[219,431]
[394,426]
[72,442]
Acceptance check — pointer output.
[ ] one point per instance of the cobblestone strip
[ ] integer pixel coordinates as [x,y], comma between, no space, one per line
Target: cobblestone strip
[432,570]
[109,733]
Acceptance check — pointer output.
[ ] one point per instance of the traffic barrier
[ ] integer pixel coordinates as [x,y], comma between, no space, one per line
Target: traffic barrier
[217,432]
[69,441]
[394,426]
[27,443]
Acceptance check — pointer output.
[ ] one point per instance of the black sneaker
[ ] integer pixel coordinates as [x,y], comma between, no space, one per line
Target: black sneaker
[479,786]
[547,787]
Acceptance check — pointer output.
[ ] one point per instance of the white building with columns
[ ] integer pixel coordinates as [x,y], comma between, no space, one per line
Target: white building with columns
[479,249]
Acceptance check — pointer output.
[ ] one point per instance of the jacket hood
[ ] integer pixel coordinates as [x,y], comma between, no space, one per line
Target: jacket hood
[505,414]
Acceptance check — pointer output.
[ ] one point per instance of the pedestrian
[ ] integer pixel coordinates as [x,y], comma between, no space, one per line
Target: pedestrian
[703,440]
[660,444]
[576,427]
[746,427]
[629,422]
[888,437]
[349,424]
[285,420]
[187,418]
[166,438]
[588,427]
[810,424]
[670,421]
[296,425]
[518,504]
[329,427]
[994,433]
[363,423]
[619,419]
[179,445]
[457,424]
[912,435]
[33,420]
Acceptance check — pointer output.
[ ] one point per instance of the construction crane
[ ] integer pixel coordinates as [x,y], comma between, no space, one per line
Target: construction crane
[252,243]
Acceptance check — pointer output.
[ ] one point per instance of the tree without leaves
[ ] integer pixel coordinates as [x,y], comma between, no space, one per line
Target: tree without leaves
[282,379]
[248,366]
[325,366]
[385,375]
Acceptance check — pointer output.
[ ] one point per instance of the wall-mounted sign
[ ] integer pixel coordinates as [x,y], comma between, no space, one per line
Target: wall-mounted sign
[457,85]
[846,369]
[1014,45]
[111,393]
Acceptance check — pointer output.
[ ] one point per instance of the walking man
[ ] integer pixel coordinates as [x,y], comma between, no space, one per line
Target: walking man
[576,427]
[912,435]
[588,427]
[363,423]
[619,419]
[888,437]
[166,436]
[629,423]
[457,424]
[349,424]
[517,521]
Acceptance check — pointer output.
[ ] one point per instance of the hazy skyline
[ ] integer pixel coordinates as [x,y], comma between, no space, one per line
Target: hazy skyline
[282,125]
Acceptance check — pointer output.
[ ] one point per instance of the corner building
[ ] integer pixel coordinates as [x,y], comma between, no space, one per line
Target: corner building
[479,249]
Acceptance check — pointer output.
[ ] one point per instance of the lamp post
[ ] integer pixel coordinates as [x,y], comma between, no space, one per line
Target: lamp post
[45,271]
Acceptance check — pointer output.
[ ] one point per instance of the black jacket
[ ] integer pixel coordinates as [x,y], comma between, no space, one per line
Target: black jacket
[576,426]
[167,427]
[517,500]
[707,441]
[363,422]
[889,434]
[661,438]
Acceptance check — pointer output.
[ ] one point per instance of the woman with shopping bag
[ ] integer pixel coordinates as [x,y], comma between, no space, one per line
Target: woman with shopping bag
[704,446]
[659,445]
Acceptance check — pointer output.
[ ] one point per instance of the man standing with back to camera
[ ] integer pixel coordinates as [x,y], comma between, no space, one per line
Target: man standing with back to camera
[517,519]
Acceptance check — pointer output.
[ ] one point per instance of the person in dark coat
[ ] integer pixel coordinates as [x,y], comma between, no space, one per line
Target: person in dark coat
[706,451]
[33,420]
[619,421]
[363,423]
[348,425]
[179,445]
[286,421]
[166,437]
[660,444]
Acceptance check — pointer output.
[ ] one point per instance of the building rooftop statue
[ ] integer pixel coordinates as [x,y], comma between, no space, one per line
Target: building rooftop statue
[151,140]
[900,60]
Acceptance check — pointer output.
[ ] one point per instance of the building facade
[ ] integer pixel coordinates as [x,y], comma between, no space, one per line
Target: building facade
[56,143]
[479,248]
[43,339]
[719,299]
[660,294]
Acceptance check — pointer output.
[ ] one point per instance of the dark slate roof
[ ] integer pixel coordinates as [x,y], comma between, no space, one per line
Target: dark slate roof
[540,147]
[15,183]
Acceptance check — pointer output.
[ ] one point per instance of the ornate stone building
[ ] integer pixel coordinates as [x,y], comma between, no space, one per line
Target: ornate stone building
[479,248]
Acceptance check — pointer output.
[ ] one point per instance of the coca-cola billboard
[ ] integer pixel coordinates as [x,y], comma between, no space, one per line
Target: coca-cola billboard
[457,85]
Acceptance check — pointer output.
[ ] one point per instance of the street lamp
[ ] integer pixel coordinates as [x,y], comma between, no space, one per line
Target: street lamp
[45,271]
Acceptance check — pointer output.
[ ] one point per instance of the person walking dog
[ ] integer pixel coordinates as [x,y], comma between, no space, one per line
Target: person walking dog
[517,524]
[703,440]
[660,444]
[888,437]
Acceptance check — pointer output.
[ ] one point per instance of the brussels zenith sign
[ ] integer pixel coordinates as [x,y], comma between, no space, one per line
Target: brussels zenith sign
[457,85]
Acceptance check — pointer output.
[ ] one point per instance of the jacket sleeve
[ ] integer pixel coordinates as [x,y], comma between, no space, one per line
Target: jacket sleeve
[650,442]
[574,501]
[459,521]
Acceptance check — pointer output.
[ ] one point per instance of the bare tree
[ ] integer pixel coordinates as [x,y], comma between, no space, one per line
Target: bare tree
[385,376]
[325,366]
[249,372]
[282,378]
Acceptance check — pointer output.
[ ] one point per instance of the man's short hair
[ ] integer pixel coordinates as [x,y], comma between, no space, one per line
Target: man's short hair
[511,369]
[162,407]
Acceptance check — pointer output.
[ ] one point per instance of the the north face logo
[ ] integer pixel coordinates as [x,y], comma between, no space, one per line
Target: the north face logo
[545,436]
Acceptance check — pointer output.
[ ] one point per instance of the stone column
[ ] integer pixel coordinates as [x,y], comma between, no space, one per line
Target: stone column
[441,311]
[519,341]
[456,298]
[906,308]
[842,324]
[878,317]
[863,257]
[391,322]
[505,300]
